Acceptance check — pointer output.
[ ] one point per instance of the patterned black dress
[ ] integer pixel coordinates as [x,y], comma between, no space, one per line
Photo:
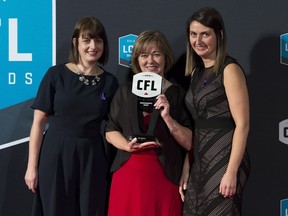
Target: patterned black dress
[214,127]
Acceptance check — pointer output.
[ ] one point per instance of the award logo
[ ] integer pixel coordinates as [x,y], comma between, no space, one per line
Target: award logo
[284,207]
[126,44]
[146,86]
[284,49]
[27,48]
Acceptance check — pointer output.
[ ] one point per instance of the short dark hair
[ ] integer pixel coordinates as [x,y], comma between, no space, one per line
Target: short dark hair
[93,28]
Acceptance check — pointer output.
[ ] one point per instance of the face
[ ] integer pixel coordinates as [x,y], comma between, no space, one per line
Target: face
[203,40]
[153,60]
[90,50]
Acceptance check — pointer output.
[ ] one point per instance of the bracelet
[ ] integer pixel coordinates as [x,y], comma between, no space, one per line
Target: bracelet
[172,130]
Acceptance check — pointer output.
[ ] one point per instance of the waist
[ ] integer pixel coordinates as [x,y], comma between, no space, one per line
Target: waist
[214,123]
[74,130]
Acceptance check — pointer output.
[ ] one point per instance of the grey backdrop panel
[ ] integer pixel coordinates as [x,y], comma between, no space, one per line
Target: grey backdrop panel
[253,30]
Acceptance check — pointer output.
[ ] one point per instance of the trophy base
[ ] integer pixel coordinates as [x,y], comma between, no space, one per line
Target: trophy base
[142,139]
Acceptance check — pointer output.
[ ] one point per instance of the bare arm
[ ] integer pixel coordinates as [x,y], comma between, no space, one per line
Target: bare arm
[36,135]
[117,140]
[238,99]
[184,177]
[182,135]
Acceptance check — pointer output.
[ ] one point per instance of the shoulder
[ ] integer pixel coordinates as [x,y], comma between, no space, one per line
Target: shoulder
[125,88]
[109,74]
[175,87]
[111,78]
[233,74]
[56,70]
[232,67]
[175,92]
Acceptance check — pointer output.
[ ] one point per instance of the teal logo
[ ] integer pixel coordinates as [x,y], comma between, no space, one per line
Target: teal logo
[26,48]
[284,207]
[284,49]
[126,44]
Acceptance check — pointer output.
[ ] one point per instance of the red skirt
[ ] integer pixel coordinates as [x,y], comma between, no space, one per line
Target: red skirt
[140,188]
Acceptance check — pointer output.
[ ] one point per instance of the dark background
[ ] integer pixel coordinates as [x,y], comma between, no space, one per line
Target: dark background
[253,29]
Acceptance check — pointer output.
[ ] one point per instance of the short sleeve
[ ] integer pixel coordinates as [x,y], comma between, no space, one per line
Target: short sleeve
[112,124]
[118,102]
[45,95]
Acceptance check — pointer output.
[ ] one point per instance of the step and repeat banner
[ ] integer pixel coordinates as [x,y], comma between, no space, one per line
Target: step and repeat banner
[35,35]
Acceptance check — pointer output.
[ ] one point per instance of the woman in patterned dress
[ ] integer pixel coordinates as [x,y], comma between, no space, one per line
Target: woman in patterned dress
[218,101]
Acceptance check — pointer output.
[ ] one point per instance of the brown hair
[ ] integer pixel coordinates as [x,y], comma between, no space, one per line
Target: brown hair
[211,18]
[143,41]
[93,28]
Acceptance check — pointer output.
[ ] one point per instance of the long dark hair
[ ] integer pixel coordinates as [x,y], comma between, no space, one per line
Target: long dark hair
[211,18]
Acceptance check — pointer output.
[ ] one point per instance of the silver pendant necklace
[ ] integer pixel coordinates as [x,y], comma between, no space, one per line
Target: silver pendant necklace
[86,81]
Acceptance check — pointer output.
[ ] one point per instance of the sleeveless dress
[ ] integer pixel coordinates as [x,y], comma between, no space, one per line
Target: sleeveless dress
[73,166]
[213,132]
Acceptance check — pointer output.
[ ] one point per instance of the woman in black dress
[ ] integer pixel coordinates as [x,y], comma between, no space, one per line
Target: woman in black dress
[67,167]
[219,103]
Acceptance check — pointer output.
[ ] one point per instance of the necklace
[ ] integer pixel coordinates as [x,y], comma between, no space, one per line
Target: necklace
[86,81]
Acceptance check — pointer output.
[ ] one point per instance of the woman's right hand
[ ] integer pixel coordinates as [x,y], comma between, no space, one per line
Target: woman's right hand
[184,177]
[31,179]
[134,146]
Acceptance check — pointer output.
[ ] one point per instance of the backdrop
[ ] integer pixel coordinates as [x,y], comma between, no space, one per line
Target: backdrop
[36,35]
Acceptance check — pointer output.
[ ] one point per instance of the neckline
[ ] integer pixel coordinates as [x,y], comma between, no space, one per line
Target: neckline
[75,72]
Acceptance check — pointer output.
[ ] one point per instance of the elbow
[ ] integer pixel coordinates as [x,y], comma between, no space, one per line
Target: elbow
[107,137]
[188,145]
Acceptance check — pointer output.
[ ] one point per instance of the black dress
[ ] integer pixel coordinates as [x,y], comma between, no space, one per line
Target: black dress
[214,127]
[72,164]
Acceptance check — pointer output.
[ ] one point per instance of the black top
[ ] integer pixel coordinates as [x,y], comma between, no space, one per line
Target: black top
[170,154]
[70,103]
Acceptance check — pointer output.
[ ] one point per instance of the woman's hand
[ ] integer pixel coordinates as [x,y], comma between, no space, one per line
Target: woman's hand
[134,146]
[228,184]
[184,177]
[163,104]
[31,179]
[183,186]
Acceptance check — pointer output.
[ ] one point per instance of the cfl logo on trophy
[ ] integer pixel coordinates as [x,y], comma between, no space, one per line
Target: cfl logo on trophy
[284,49]
[146,84]
[283,131]
[284,207]
[126,44]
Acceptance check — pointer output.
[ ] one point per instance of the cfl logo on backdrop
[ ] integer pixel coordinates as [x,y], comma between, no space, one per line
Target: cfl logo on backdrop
[24,55]
[283,132]
[284,49]
[284,207]
[126,44]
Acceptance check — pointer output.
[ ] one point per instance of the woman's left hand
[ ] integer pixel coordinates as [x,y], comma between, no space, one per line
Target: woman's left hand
[228,184]
[163,104]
